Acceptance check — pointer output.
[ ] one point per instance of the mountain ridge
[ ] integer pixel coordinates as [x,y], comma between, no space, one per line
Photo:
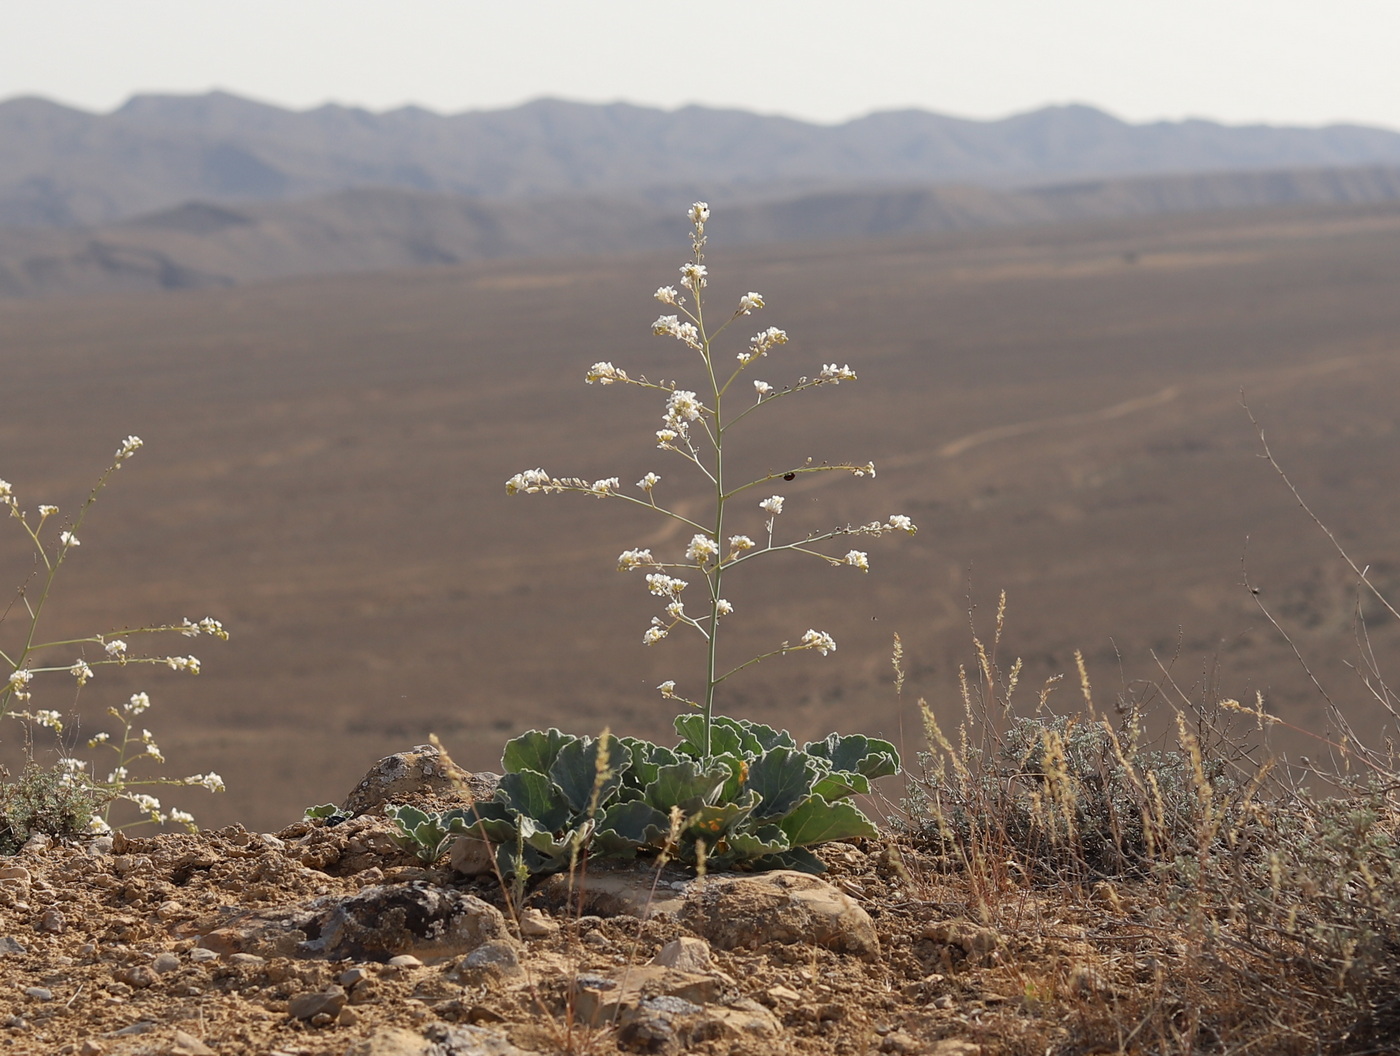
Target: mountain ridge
[64,167]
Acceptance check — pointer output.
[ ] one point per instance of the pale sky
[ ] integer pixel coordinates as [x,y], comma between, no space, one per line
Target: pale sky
[1283,62]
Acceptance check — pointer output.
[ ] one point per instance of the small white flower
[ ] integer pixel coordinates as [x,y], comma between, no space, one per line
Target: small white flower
[648,482]
[750,302]
[699,213]
[676,609]
[688,333]
[183,663]
[760,343]
[701,549]
[118,776]
[116,648]
[47,511]
[856,559]
[667,295]
[181,817]
[867,470]
[654,634]
[820,641]
[762,388]
[668,688]
[209,625]
[81,672]
[68,539]
[98,827]
[773,504]
[665,438]
[212,781]
[531,480]
[693,276]
[902,523]
[664,586]
[19,683]
[73,766]
[128,448]
[835,375]
[740,542]
[723,608]
[606,486]
[682,406]
[666,325]
[604,374]
[138,703]
[630,559]
[49,719]
[98,738]
[145,803]
[7,490]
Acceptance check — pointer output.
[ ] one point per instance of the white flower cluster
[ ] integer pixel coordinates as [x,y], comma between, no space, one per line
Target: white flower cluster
[81,672]
[208,625]
[671,326]
[834,375]
[820,641]
[664,586]
[760,343]
[630,559]
[750,303]
[128,448]
[183,663]
[605,374]
[19,683]
[532,480]
[668,295]
[702,549]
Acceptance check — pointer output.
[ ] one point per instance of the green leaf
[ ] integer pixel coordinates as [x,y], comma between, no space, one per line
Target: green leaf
[755,843]
[755,738]
[576,771]
[684,785]
[724,739]
[782,778]
[628,827]
[867,756]
[535,750]
[798,858]
[841,784]
[327,812]
[817,821]
[647,758]
[492,819]
[713,823]
[534,796]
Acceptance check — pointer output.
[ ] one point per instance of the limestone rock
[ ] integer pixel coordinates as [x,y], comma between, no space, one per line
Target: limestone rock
[412,775]
[783,907]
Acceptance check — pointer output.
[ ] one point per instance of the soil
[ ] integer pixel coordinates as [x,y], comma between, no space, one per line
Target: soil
[123,946]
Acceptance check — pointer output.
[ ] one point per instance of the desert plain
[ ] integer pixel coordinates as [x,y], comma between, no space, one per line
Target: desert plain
[1058,408]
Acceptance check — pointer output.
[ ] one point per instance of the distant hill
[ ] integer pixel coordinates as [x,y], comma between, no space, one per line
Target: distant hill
[201,244]
[62,167]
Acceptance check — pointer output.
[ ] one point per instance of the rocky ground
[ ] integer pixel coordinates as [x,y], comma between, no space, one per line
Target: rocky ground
[332,939]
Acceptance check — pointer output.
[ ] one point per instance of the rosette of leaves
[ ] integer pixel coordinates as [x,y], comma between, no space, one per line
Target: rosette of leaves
[757,802]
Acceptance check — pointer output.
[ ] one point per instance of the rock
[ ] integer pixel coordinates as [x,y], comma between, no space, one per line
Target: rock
[978,944]
[307,1006]
[138,976]
[442,1040]
[685,954]
[38,993]
[411,775]
[52,922]
[492,962]
[535,925]
[393,1041]
[431,923]
[10,945]
[472,856]
[165,963]
[602,998]
[188,1045]
[405,960]
[782,907]
[91,1047]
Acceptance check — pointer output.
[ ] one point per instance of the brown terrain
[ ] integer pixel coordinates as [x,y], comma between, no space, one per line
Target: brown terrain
[1059,409]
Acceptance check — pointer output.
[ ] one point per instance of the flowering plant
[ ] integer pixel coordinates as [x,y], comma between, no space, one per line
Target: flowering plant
[24,657]
[732,792]
[696,429]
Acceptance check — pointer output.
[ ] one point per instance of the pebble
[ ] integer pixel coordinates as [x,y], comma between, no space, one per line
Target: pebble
[164,963]
[38,993]
[405,960]
[51,921]
[326,1003]
[199,954]
[535,925]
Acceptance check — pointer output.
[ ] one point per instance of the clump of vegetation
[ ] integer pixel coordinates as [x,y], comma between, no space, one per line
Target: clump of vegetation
[1248,881]
[732,792]
[50,802]
[73,786]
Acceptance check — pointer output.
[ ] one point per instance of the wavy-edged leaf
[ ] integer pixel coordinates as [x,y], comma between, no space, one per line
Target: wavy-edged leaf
[491,819]
[798,858]
[754,737]
[534,750]
[647,758]
[840,784]
[782,778]
[532,795]
[626,828]
[713,823]
[757,842]
[587,768]
[685,785]
[868,756]
[562,847]
[817,821]
[724,739]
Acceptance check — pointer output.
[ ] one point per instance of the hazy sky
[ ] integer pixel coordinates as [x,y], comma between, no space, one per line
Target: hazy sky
[1304,62]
